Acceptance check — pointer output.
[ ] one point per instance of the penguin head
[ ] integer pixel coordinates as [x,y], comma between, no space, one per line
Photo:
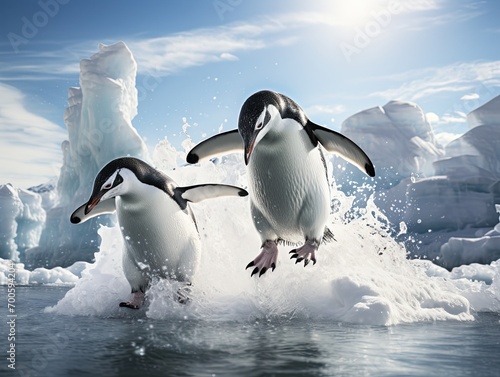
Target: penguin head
[260,115]
[105,186]
[115,179]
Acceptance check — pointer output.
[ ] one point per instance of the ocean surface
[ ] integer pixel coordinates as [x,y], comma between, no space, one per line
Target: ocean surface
[132,344]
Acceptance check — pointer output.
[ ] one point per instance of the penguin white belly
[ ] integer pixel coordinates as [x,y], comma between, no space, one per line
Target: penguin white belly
[289,186]
[160,239]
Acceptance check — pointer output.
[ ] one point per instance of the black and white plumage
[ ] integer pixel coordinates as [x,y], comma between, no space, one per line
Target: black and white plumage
[158,227]
[288,181]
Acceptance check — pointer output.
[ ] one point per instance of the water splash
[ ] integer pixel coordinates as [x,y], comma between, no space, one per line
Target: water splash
[362,277]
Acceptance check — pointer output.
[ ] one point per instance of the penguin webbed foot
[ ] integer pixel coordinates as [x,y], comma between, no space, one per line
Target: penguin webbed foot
[306,253]
[128,304]
[265,260]
[136,302]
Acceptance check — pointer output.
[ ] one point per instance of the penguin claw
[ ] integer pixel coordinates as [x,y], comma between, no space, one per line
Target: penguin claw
[266,259]
[262,271]
[255,270]
[128,305]
[305,253]
[136,302]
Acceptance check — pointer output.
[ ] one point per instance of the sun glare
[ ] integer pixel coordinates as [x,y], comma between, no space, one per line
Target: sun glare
[353,13]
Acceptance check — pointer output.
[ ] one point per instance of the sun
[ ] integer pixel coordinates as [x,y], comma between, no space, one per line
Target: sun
[353,13]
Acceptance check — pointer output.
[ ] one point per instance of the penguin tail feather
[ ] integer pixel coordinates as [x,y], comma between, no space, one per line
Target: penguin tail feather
[328,235]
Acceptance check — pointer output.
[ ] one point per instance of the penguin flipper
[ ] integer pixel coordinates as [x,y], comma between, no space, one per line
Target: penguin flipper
[198,193]
[223,143]
[337,143]
[103,207]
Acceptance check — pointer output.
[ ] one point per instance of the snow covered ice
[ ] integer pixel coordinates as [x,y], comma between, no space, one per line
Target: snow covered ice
[365,276]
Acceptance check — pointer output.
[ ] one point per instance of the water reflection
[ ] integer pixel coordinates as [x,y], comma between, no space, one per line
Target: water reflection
[54,345]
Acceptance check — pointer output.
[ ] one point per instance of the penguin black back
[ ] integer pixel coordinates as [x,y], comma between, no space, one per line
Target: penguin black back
[253,107]
[144,173]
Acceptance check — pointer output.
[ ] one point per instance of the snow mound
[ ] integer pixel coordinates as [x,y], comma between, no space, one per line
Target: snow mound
[40,276]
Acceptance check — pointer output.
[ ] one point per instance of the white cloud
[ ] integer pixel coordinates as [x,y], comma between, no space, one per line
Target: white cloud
[172,53]
[168,54]
[432,118]
[469,97]
[30,146]
[456,117]
[444,138]
[325,109]
[445,119]
[475,77]
[434,13]
[228,56]
[45,64]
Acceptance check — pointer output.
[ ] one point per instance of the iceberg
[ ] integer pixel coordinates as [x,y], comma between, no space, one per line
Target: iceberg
[99,122]
[398,139]
[11,206]
[22,221]
[487,114]
[445,197]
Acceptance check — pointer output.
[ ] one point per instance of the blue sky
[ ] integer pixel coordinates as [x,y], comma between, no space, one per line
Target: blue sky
[200,60]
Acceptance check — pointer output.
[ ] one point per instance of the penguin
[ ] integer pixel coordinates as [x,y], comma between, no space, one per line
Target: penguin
[159,229]
[287,173]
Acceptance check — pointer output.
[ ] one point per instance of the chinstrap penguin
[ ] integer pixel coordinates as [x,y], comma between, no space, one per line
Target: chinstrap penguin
[158,227]
[287,173]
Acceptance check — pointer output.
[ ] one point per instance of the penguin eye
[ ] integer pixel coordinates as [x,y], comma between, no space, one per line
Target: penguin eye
[263,120]
[112,183]
[267,117]
[108,185]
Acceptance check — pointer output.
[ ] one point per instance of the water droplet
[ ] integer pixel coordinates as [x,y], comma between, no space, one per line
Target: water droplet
[402,228]
[335,205]
[141,351]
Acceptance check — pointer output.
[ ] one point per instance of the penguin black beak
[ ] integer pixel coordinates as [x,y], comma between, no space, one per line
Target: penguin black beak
[92,203]
[249,150]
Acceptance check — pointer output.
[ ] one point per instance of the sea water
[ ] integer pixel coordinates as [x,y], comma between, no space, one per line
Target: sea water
[132,344]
